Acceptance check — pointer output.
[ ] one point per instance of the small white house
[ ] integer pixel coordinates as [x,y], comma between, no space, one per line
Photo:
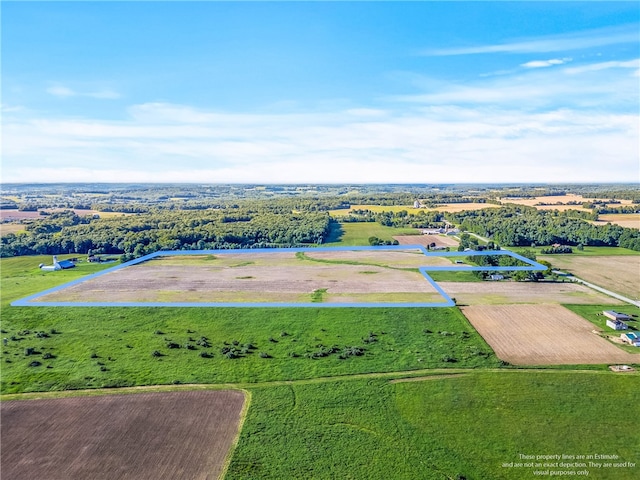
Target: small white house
[617,325]
[632,338]
[496,277]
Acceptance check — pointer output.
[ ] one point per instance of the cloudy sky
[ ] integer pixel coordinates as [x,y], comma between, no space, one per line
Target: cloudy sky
[282,92]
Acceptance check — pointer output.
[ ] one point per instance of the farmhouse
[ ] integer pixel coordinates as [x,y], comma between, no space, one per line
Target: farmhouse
[632,338]
[496,277]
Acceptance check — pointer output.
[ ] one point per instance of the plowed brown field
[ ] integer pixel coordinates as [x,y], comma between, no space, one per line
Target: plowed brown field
[543,335]
[139,436]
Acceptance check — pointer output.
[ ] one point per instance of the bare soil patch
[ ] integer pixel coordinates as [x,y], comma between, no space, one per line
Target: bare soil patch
[495,293]
[424,240]
[260,277]
[138,436]
[620,274]
[542,335]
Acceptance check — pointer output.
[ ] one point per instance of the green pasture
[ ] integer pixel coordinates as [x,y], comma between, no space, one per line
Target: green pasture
[358,233]
[464,426]
[87,347]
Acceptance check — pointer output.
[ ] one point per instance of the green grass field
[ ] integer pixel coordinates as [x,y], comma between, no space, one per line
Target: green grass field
[355,234]
[465,426]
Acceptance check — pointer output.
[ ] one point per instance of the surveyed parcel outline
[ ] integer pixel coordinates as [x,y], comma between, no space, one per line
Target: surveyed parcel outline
[531,265]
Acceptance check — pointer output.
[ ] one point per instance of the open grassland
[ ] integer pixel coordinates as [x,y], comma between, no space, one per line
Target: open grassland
[620,274]
[510,292]
[351,276]
[543,335]
[446,427]
[354,234]
[629,220]
[141,436]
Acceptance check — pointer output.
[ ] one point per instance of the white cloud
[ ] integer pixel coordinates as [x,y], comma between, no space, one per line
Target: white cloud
[65,92]
[432,144]
[545,63]
[604,66]
[555,43]
[60,91]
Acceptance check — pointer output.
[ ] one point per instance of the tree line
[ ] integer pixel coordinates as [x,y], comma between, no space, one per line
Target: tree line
[518,225]
[137,235]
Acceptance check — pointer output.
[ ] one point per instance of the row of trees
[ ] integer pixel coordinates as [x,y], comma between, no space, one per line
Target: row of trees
[523,226]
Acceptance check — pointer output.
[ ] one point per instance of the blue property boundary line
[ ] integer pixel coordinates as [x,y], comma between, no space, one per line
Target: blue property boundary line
[448,301]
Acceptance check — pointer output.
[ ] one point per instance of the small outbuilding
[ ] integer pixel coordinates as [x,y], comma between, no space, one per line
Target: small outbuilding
[496,277]
[632,338]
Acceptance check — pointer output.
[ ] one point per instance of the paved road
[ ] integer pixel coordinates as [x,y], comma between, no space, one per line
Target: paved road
[600,289]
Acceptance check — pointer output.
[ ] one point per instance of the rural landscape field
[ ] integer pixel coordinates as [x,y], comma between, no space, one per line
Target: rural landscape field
[305,392]
[319,240]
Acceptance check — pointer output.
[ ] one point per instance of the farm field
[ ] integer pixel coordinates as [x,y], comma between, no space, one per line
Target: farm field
[324,276]
[464,426]
[6,228]
[629,220]
[557,201]
[358,233]
[620,274]
[506,292]
[424,240]
[140,436]
[542,335]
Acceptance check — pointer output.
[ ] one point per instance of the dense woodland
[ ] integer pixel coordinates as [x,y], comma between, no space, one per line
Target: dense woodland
[234,216]
[525,226]
[137,235]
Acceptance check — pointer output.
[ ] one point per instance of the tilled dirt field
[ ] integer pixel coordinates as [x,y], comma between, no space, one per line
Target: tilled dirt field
[255,278]
[138,436]
[492,293]
[543,335]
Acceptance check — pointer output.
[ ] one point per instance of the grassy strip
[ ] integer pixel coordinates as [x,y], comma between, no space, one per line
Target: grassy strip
[304,256]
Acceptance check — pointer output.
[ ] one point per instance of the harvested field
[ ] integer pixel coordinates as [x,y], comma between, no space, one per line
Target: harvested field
[6,228]
[542,335]
[138,436]
[461,207]
[620,274]
[557,201]
[424,240]
[496,293]
[262,277]
[628,220]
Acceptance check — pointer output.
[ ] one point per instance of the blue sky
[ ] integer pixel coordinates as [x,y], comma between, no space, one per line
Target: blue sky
[331,92]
